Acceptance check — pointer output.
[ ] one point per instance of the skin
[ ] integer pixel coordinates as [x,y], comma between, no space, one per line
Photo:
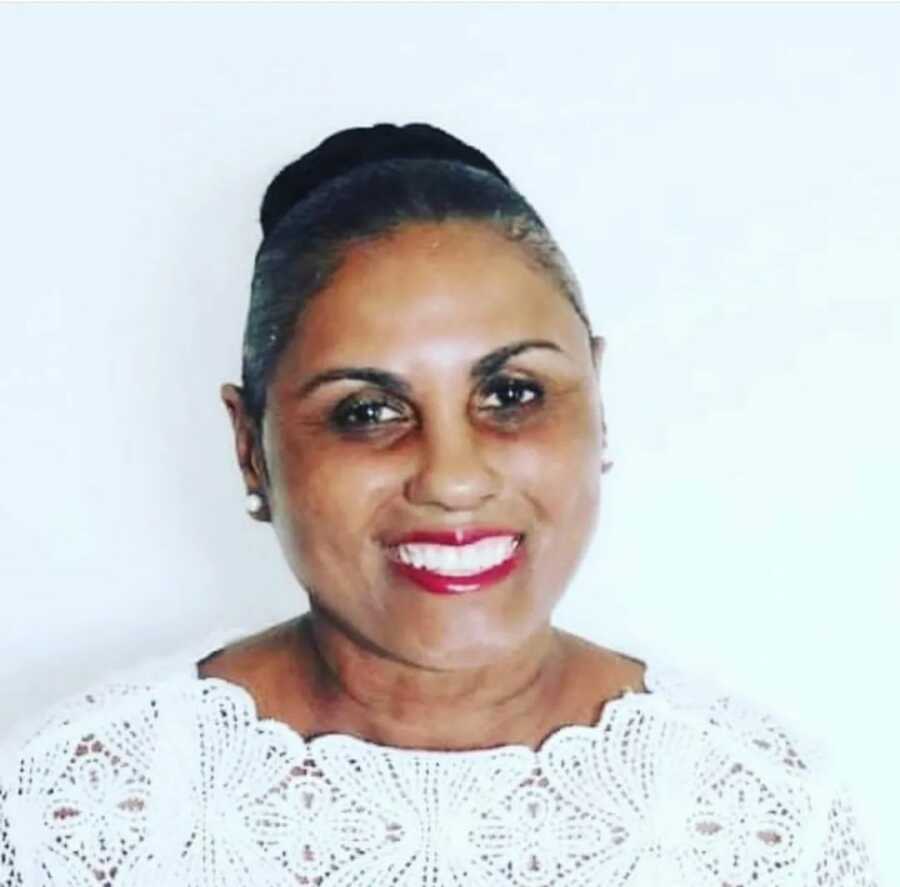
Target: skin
[376,656]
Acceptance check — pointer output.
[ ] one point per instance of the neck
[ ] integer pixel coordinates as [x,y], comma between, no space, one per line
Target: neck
[367,691]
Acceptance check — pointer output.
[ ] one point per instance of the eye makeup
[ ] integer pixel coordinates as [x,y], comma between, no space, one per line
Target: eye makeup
[527,395]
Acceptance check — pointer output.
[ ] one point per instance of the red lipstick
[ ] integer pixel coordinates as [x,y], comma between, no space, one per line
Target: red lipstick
[438,583]
[441,583]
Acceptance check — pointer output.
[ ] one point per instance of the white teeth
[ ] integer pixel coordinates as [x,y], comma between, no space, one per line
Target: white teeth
[458,560]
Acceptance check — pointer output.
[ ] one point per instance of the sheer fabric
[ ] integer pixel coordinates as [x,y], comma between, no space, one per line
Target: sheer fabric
[160,778]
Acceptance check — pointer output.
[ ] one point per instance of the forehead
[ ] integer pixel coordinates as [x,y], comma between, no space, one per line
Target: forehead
[456,283]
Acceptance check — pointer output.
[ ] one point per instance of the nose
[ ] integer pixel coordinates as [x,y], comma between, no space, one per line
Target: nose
[451,470]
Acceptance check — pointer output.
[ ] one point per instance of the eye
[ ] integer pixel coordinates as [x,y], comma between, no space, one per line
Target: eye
[508,392]
[361,413]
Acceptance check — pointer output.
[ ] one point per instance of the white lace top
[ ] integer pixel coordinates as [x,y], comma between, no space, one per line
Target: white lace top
[163,779]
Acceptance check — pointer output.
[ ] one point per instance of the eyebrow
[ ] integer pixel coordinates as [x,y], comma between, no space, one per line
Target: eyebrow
[397,385]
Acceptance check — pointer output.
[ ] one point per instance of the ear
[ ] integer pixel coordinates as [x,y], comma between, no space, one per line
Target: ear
[598,347]
[248,446]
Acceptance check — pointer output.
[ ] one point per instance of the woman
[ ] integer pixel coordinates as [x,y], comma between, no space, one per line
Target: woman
[420,421]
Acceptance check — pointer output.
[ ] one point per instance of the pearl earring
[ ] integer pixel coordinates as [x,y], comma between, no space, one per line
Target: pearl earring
[254,503]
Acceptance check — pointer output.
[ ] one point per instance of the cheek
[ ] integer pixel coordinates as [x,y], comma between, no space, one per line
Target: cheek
[326,497]
[318,490]
[563,455]
[298,491]
[561,474]
[318,530]
[565,484]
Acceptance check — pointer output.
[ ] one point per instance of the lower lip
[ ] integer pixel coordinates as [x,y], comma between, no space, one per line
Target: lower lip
[438,583]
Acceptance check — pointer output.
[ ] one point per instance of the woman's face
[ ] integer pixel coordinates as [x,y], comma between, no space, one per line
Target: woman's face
[351,464]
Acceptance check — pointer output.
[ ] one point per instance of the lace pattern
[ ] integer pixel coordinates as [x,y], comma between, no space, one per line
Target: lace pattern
[179,782]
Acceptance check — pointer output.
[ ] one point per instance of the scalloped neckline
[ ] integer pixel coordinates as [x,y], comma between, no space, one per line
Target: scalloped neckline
[628,697]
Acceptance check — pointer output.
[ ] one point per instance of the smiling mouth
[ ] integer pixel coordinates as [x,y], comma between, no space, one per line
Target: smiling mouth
[458,560]
[454,572]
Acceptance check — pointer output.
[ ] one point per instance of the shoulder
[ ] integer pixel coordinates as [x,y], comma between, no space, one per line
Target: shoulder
[131,700]
[689,719]
[692,732]
[107,779]
[724,778]
[73,725]
[697,702]
[743,726]
[650,695]
[740,766]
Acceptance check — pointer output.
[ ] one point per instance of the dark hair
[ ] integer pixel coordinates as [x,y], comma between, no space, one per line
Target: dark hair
[365,183]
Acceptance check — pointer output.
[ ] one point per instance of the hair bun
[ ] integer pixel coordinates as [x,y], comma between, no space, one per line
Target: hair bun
[349,148]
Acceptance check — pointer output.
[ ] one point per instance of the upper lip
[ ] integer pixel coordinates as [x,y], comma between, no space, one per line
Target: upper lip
[457,536]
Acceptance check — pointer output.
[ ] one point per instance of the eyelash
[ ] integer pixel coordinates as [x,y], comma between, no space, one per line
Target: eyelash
[339,418]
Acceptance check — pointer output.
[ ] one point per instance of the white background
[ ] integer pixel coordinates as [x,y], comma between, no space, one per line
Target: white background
[725,181]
